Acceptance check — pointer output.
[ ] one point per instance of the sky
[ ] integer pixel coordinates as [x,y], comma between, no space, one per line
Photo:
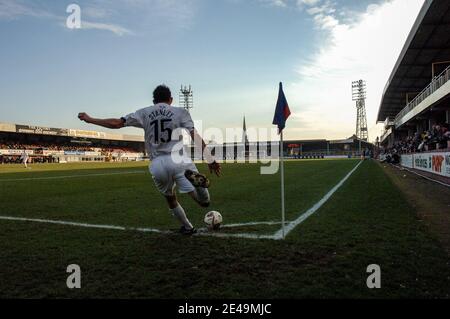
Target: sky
[233,53]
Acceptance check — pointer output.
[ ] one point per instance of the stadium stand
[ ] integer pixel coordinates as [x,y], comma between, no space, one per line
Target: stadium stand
[53,145]
[297,149]
[415,106]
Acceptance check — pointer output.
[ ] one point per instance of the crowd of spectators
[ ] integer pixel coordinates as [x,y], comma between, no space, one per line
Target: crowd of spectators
[45,146]
[38,154]
[62,147]
[435,139]
[438,138]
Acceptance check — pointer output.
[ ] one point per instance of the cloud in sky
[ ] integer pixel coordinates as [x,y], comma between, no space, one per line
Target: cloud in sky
[276,3]
[116,29]
[366,48]
[96,12]
[110,15]
[15,9]
[307,2]
[146,14]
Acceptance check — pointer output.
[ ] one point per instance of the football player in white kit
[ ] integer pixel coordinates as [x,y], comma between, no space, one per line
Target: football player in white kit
[168,168]
[24,158]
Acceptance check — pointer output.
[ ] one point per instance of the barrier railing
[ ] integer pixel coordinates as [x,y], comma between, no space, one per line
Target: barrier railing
[436,84]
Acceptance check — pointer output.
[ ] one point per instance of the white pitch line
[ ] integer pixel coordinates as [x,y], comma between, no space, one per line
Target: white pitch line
[252,224]
[121,228]
[279,234]
[70,176]
[243,235]
[66,223]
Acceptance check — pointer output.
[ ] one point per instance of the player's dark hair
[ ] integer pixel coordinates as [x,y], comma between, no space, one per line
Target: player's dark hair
[161,94]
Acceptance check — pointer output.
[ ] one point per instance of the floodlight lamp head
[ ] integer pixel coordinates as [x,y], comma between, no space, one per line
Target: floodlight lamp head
[358,90]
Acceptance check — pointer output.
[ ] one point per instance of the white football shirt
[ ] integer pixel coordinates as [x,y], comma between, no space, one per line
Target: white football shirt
[159,122]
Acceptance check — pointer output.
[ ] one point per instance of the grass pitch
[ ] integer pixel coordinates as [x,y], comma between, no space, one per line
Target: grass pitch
[367,221]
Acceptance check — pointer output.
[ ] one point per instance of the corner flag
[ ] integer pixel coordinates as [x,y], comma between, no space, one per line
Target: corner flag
[282,112]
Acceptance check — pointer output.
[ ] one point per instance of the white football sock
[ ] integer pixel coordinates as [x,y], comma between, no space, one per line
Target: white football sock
[202,194]
[179,213]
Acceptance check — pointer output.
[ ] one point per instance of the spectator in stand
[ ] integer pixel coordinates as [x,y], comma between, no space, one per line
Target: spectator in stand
[446,132]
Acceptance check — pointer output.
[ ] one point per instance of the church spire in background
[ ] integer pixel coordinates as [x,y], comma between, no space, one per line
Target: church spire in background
[244,133]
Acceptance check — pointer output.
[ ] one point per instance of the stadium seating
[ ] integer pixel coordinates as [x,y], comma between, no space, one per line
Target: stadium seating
[40,153]
[436,139]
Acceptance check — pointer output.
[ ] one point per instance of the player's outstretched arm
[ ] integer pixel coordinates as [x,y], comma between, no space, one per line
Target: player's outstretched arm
[108,123]
[213,166]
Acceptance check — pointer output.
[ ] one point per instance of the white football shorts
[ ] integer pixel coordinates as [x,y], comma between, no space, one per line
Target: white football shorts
[167,175]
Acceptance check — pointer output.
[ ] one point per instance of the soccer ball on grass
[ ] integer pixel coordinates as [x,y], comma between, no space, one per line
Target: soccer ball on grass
[213,220]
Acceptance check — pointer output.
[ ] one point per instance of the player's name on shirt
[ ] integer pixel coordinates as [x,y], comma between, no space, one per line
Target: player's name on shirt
[163,112]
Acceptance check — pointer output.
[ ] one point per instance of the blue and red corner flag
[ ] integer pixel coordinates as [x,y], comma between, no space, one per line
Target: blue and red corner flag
[282,111]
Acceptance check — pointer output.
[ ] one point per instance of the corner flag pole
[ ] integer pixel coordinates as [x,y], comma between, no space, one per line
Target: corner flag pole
[283,215]
[282,112]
